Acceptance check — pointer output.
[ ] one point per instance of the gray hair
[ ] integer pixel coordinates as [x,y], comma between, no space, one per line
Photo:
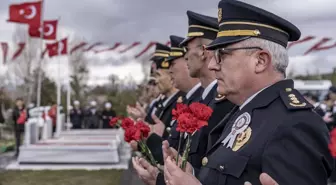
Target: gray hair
[278,53]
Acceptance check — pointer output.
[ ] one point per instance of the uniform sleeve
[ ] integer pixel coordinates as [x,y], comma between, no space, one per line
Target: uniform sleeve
[154,143]
[298,153]
[160,179]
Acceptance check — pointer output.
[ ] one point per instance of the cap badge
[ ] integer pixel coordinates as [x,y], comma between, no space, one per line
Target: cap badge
[219,14]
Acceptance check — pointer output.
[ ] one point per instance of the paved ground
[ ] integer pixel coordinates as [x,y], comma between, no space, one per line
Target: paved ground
[5,159]
[129,177]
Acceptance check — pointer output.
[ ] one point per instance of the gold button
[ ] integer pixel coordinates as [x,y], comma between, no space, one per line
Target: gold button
[204,161]
[221,167]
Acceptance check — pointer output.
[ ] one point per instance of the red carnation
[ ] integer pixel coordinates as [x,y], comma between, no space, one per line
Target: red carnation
[114,121]
[180,108]
[187,122]
[201,111]
[126,123]
[142,131]
[332,143]
[129,134]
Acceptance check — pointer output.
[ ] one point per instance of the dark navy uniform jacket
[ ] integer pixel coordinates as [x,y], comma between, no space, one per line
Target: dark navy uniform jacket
[220,106]
[165,114]
[155,105]
[285,139]
[154,141]
[174,136]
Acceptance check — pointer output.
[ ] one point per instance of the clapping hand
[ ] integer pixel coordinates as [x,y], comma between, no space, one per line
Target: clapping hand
[146,172]
[265,179]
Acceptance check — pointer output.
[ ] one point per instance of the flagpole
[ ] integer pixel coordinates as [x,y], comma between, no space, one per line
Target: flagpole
[58,119]
[68,97]
[39,78]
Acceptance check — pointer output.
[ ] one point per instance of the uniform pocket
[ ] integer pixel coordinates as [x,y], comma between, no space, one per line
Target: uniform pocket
[232,163]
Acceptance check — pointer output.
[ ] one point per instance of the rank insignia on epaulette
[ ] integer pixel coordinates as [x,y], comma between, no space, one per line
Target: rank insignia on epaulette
[242,139]
[294,100]
[179,99]
[219,97]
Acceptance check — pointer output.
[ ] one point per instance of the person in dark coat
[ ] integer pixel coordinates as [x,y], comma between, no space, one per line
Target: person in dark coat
[273,129]
[92,116]
[107,114]
[192,86]
[76,115]
[19,116]
[165,86]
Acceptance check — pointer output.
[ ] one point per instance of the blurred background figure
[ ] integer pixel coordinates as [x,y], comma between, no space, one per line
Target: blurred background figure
[52,113]
[92,116]
[330,101]
[320,108]
[107,114]
[76,115]
[19,116]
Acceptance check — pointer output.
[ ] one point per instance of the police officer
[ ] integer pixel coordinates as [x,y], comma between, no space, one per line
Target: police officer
[107,114]
[76,115]
[92,116]
[182,80]
[165,85]
[273,129]
[201,31]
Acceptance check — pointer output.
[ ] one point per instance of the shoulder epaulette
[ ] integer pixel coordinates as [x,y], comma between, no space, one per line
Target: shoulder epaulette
[293,99]
[219,98]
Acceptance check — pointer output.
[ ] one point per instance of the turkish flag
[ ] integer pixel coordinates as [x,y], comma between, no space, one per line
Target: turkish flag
[57,48]
[27,13]
[49,30]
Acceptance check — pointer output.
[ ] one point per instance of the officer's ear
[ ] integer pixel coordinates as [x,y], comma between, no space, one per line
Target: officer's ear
[206,53]
[263,60]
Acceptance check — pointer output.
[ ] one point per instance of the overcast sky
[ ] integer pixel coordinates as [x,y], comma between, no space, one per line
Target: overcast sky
[110,21]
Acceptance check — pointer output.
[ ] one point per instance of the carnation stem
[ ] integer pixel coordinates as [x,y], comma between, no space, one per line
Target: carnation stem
[148,154]
[186,153]
[179,147]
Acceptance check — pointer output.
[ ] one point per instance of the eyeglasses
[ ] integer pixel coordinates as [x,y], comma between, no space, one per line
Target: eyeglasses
[219,53]
[186,49]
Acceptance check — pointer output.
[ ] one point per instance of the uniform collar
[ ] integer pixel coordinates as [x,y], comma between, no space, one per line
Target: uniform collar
[193,90]
[266,95]
[251,98]
[208,89]
[169,98]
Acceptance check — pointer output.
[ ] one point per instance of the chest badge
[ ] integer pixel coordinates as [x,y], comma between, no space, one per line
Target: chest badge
[242,139]
[238,127]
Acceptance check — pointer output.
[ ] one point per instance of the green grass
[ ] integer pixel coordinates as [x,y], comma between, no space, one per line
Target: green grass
[61,177]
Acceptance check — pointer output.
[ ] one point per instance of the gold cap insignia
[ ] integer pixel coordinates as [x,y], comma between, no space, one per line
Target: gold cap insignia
[165,64]
[242,139]
[180,99]
[219,14]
